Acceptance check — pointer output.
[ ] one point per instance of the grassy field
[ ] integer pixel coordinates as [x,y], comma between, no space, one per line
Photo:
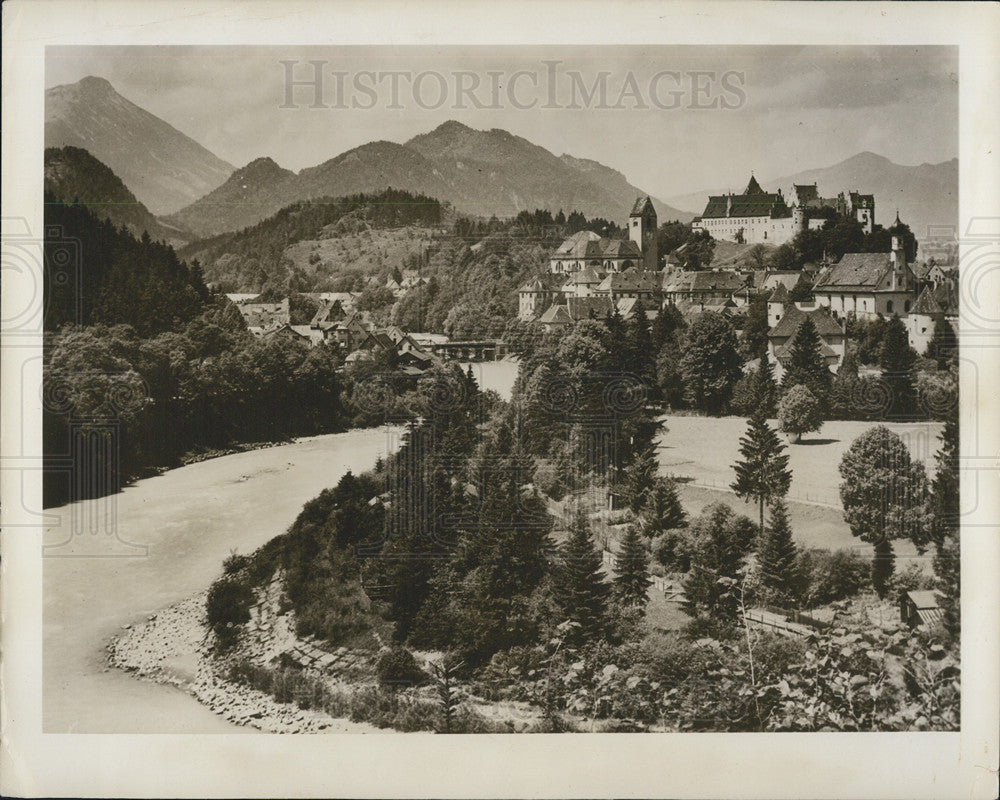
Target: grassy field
[700,452]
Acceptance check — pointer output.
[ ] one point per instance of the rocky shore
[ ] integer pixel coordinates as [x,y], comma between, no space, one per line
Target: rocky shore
[173,647]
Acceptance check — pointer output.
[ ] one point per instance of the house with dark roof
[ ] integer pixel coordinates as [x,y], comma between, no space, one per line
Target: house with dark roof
[261,317]
[921,319]
[833,338]
[538,294]
[865,285]
[696,291]
[755,216]
[574,309]
[634,284]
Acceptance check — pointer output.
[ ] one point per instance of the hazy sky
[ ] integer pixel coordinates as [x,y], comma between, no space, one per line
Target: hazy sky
[672,119]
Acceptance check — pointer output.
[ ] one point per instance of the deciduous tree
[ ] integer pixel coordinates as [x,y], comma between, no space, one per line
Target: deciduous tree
[885,497]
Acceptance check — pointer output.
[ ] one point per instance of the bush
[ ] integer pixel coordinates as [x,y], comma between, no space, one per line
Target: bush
[227,606]
[828,577]
[398,668]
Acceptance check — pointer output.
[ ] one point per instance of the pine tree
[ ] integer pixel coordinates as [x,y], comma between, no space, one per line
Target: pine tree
[580,586]
[778,555]
[897,359]
[764,389]
[639,477]
[945,501]
[631,579]
[943,344]
[763,473]
[640,344]
[662,510]
[805,363]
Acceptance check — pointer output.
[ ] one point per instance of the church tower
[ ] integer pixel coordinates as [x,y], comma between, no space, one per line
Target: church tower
[642,230]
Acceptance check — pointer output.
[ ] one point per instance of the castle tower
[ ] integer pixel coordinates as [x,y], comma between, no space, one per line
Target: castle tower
[642,230]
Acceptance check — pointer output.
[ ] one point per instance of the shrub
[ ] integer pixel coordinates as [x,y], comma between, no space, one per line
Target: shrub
[398,668]
[227,606]
[828,577]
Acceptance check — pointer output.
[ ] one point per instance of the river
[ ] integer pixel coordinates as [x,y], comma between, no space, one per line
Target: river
[187,520]
[162,540]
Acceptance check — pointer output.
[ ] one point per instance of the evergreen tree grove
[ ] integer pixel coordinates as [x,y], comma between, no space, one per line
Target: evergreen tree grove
[662,510]
[945,509]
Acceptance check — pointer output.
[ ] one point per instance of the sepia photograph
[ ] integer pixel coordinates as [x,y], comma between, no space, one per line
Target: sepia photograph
[436,388]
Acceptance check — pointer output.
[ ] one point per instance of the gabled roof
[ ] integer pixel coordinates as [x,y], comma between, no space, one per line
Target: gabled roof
[786,278]
[784,352]
[629,281]
[576,245]
[805,192]
[585,307]
[788,325]
[856,270]
[704,281]
[556,315]
[779,295]
[753,187]
[586,277]
[620,248]
[947,298]
[926,304]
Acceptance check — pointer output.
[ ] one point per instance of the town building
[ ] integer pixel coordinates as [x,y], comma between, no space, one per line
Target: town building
[921,320]
[833,337]
[865,285]
[704,290]
[753,217]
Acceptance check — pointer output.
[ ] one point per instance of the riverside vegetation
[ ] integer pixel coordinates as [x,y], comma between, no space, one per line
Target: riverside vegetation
[478,546]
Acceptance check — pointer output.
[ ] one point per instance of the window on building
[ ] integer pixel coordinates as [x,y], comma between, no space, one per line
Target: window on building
[888,306]
[906,306]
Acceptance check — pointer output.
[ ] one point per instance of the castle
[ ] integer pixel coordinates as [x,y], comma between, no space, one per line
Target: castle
[759,217]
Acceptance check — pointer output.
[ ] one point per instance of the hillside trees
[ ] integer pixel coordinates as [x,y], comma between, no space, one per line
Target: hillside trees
[721,540]
[631,572]
[778,556]
[897,360]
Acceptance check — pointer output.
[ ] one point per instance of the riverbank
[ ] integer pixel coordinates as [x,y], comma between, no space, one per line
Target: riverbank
[173,647]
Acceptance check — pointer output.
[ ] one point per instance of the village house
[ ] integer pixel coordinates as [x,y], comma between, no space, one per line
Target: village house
[921,320]
[868,284]
[833,337]
[702,290]
[538,294]
[260,317]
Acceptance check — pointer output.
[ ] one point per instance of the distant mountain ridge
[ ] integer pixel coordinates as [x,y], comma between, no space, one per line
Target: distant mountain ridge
[482,173]
[73,175]
[165,169]
[925,195]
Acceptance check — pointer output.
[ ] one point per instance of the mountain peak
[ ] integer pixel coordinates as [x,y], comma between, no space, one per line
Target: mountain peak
[94,88]
[450,127]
